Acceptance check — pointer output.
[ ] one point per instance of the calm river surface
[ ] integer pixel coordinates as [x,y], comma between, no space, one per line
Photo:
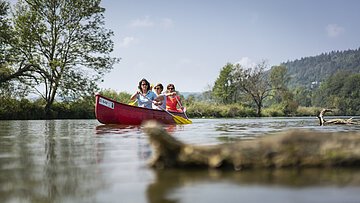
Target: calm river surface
[85,161]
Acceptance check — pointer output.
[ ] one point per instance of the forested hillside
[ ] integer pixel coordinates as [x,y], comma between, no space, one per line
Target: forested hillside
[306,70]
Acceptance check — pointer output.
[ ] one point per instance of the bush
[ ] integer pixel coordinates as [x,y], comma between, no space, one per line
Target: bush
[308,111]
[273,111]
[208,110]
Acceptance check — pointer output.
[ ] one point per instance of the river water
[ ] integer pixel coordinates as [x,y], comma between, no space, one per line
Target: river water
[85,161]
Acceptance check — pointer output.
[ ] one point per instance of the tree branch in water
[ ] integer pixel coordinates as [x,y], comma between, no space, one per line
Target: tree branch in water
[292,149]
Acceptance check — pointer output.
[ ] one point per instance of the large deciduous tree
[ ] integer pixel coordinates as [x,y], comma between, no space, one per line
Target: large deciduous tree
[254,82]
[67,43]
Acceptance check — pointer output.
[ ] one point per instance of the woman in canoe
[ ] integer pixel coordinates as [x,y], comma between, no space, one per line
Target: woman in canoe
[160,101]
[172,99]
[144,95]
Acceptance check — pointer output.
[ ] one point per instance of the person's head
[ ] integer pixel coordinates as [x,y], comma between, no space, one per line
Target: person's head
[158,88]
[170,88]
[144,85]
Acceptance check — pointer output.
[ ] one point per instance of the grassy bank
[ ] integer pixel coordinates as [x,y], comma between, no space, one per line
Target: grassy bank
[13,109]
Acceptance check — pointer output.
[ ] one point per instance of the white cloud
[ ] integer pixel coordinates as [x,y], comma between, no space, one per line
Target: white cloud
[145,22]
[246,62]
[127,41]
[334,30]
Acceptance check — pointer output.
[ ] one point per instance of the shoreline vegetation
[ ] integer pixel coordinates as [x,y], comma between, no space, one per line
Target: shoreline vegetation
[25,109]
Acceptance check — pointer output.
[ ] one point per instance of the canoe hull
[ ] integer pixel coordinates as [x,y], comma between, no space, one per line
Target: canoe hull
[108,111]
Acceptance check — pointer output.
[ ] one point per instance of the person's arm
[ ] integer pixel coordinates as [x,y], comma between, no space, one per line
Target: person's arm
[170,94]
[159,100]
[178,99]
[133,97]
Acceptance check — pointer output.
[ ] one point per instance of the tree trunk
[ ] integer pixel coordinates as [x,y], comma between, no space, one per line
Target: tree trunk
[259,107]
[49,102]
[48,111]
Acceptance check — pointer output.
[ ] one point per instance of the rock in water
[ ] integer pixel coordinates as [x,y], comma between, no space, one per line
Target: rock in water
[291,149]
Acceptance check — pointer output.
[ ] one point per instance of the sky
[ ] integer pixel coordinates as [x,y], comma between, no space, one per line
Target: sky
[188,42]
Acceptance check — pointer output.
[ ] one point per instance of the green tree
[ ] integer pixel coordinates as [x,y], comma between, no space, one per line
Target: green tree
[279,80]
[340,91]
[303,96]
[15,75]
[350,94]
[65,40]
[328,94]
[254,83]
[224,87]
[122,97]
[5,34]
[280,92]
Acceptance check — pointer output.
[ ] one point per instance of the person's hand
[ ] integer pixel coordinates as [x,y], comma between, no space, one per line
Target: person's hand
[157,103]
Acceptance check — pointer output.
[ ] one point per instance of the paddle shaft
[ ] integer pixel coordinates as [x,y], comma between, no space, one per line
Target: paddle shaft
[177,119]
[159,106]
[181,106]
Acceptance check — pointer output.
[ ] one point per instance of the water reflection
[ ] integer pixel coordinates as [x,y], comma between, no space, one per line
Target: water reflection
[233,129]
[115,129]
[83,161]
[47,162]
[143,147]
[173,185]
[125,129]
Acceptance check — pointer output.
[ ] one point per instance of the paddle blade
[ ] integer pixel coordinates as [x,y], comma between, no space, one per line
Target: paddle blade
[181,120]
[133,103]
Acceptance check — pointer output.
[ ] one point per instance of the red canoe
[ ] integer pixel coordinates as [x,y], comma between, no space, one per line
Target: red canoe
[108,111]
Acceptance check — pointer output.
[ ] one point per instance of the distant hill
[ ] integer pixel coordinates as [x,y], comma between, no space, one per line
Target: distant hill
[187,94]
[315,69]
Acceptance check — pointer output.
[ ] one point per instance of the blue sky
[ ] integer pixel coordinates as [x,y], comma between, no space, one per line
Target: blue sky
[188,42]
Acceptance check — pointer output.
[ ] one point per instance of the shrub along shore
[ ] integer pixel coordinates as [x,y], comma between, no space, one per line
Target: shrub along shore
[25,109]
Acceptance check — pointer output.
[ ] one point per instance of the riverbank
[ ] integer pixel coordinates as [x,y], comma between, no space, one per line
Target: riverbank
[24,109]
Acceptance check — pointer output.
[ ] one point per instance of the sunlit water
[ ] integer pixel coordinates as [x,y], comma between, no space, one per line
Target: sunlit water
[84,161]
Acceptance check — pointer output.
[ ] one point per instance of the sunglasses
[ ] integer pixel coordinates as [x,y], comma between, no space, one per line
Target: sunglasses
[170,88]
[157,88]
[144,84]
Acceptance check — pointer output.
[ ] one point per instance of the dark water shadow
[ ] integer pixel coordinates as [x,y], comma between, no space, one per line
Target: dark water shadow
[168,181]
[115,129]
[124,129]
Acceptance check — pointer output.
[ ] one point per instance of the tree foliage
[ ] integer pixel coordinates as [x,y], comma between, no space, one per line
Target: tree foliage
[66,43]
[16,76]
[318,68]
[224,87]
[254,82]
[122,97]
[281,95]
[340,91]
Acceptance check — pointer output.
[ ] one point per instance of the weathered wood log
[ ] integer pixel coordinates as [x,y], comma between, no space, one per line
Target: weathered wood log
[334,121]
[292,149]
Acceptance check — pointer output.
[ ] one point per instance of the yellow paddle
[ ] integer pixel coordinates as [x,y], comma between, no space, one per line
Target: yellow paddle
[133,102]
[181,106]
[177,119]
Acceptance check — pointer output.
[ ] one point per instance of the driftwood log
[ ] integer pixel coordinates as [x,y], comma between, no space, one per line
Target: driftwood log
[322,121]
[292,149]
